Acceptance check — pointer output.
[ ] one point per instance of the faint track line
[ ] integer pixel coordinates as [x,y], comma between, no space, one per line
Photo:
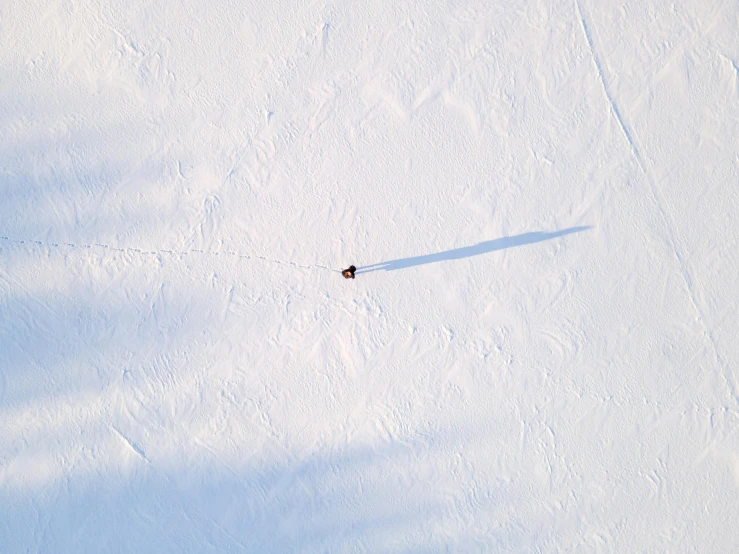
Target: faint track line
[611,102]
[661,205]
[164,251]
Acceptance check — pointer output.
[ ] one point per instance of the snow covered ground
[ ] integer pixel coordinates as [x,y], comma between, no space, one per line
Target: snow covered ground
[539,352]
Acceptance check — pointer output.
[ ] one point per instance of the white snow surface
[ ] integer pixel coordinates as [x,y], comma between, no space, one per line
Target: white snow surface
[539,352]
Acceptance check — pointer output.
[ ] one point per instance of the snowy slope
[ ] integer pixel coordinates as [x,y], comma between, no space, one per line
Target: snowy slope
[538,353]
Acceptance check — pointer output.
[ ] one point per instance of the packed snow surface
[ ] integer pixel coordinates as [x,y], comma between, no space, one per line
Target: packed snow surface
[539,351]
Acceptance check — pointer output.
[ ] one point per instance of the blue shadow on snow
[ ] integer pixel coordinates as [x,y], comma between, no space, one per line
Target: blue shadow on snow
[469,251]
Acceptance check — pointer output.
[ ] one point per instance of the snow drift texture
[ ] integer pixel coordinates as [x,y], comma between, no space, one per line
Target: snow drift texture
[538,353]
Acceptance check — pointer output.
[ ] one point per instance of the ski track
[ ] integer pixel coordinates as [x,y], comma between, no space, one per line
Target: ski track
[665,216]
[611,103]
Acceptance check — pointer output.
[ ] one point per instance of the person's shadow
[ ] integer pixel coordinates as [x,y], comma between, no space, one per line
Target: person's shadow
[469,251]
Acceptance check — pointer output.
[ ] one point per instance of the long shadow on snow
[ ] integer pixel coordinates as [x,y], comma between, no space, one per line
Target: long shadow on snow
[469,251]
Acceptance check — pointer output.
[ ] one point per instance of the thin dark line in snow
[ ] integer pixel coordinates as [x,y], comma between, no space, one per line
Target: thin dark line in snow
[606,91]
[164,251]
[665,214]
